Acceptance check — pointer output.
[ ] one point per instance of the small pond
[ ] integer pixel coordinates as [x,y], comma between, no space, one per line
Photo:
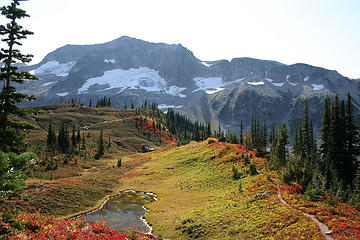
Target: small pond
[124,211]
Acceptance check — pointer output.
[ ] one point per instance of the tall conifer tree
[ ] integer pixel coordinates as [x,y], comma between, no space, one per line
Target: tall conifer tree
[11,136]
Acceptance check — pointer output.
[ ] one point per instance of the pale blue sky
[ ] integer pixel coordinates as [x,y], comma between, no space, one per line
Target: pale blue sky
[323,33]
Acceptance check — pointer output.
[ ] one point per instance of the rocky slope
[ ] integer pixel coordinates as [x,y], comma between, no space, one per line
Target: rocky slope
[131,70]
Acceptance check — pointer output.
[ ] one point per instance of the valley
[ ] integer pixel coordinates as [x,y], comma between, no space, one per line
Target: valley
[198,195]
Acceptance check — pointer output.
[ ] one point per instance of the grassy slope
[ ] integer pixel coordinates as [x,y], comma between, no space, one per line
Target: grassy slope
[79,187]
[199,199]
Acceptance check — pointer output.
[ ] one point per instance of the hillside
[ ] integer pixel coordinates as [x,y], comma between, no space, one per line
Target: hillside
[207,189]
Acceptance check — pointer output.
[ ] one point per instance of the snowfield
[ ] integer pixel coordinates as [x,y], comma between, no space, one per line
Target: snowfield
[48,83]
[213,84]
[134,78]
[206,64]
[109,60]
[256,83]
[175,91]
[63,94]
[54,67]
[317,87]
[278,84]
[166,107]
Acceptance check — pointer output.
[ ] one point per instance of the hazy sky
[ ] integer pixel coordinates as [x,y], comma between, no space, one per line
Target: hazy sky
[323,33]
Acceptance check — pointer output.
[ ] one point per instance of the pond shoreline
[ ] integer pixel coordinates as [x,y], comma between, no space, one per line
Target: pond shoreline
[142,218]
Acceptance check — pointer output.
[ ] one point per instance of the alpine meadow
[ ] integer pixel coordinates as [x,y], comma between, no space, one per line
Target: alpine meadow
[132,139]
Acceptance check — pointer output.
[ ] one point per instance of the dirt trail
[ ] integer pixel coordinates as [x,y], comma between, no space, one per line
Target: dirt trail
[323,228]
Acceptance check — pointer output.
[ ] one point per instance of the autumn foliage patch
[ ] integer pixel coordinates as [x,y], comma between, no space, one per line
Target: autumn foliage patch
[35,226]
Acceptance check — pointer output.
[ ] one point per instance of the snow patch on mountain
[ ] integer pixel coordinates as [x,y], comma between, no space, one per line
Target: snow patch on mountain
[175,91]
[256,83]
[208,83]
[317,87]
[306,78]
[62,94]
[134,78]
[292,84]
[109,60]
[213,84]
[46,84]
[54,67]
[166,107]
[206,64]
[278,84]
[214,91]
[269,80]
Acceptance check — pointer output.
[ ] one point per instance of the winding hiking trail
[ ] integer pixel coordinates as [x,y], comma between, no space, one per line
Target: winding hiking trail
[325,231]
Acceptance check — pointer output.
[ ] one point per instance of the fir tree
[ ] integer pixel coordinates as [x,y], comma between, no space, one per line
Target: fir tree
[73,137]
[78,136]
[352,140]
[11,136]
[83,146]
[51,136]
[208,130]
[241,133]
[264,137]
[356,182]
[63,138]
[325,129]
[90,103]
[281,148]
[100,147]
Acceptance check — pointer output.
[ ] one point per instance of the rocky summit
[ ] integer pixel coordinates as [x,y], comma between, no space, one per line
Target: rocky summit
[131,71]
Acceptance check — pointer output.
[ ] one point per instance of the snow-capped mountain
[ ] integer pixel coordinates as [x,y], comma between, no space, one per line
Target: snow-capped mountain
[131,70]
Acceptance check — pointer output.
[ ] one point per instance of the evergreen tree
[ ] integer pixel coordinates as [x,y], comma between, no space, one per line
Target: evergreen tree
[334,148]
[252,131]
[356,182]
[11,136]
[100,147]
[281,148]
[63,138]
[73,137]
[109,102]
[272,136]
[51,136]
[307,140]
[78,136]
[325,129]
[264,137]
[219,132]
[352,140]
[83,146]
[241,133]
[208,130]
[197,132]
[90,103]
[297,146]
